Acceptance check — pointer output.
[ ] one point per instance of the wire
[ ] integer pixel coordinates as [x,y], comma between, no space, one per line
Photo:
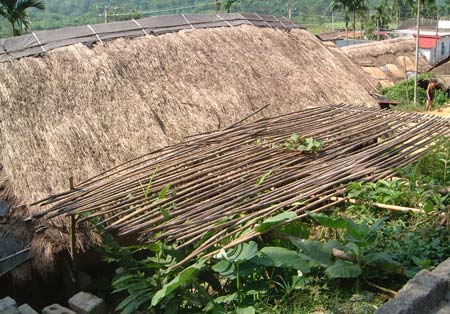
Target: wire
[169,9]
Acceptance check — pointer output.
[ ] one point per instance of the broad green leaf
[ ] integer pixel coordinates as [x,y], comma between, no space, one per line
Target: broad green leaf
[262,178]
[226,298]
[384,262]
[246,310]
[296,229]
[343,269]
[184,277]
[316,252]
[224,268]
[240,253]
[280,257]
[326,221]
[357,232]
[275,220]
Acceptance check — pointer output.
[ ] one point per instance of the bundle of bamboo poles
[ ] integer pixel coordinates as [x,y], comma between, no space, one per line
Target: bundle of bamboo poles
[209,188]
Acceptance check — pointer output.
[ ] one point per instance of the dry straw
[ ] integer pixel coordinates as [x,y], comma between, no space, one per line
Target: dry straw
[387,61]
[78,111]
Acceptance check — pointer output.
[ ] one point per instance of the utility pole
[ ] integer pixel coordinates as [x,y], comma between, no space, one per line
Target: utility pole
[417,53]
[105,12]
[332,21]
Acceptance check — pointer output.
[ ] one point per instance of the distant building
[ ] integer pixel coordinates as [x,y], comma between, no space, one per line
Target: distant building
[434,41]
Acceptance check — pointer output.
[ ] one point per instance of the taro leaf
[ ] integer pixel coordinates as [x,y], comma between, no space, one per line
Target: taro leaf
[184,277]
[281,257]
[316,252]
[296,229]
[275,220]
[225,268]
[384,262]
[299,282]
[246,310]
[358,233]
[262,178]
[226,298]
[240,253]
[343,269]
[326,221]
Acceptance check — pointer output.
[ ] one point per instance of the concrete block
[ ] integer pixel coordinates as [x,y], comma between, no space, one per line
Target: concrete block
[86,303]
[26,309]
[57,309]
[7,302]
[443,270]
[422,293]
[10,310]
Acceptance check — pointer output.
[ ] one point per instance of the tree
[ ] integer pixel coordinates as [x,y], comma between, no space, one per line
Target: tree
[15,11]
[228,4]
[358,7]
[342,5]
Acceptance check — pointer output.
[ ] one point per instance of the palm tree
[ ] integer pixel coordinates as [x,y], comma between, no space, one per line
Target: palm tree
[342,5]
[358,7]
[229,4]
[15,12]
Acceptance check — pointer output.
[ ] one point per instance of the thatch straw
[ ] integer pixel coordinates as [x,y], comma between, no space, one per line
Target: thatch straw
[395,57]
[77,110]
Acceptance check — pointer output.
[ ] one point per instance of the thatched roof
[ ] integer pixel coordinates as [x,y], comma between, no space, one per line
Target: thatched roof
[77,110]
[387,61]
[442,73]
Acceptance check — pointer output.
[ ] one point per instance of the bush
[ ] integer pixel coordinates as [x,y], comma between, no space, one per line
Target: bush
[400,91]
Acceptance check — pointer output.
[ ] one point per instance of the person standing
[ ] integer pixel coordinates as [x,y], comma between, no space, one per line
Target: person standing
[430,93]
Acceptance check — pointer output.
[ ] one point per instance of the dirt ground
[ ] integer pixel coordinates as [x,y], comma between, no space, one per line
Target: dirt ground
[443,111]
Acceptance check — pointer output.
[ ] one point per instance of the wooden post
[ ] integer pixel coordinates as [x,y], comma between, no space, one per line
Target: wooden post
[417,53]
[73,223]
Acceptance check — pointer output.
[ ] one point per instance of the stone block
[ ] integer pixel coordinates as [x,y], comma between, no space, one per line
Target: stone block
[443,270]
[422,293]
[26,309]
[7,302]
[86,303]
[10,310]
[57,309]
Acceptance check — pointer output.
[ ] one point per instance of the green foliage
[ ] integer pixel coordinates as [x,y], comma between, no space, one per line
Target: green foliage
[404,92]
[15,11]
[297,143]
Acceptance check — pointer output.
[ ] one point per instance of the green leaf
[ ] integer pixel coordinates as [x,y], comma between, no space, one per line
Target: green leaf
[275,220]
[246,310]
[262,178]
[326,221]
[163,192]
[224,268]
[280,257]
[296,229]
[184,277]
[226,298]
[295,137]
[343,269]
[242,252]
[150,182]
[165,213]
[316,252]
